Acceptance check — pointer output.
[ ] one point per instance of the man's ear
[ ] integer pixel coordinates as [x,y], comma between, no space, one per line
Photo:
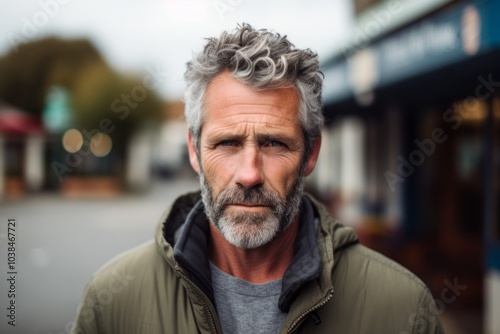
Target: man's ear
[193,158]
[313,157]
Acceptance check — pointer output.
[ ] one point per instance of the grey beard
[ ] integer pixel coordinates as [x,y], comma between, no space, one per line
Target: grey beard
[264,227]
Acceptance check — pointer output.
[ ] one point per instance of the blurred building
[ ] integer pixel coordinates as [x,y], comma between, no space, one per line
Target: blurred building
[22,139]
[170,158]
[70,123]
[411,152]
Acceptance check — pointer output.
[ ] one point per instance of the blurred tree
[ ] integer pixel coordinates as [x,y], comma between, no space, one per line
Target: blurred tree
[97,92]
[27,75]
[102,98]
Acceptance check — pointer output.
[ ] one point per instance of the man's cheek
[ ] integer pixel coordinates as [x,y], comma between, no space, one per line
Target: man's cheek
[217,179]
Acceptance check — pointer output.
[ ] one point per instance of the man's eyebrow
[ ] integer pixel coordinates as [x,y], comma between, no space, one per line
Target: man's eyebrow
[260,137]
[265,137]
[215,138]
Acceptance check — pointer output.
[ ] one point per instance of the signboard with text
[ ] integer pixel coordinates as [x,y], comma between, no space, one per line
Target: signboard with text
[427,45]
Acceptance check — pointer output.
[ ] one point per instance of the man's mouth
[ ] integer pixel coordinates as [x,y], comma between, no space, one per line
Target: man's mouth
[249,204]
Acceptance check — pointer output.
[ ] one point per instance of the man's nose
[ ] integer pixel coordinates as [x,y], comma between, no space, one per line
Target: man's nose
[249,173]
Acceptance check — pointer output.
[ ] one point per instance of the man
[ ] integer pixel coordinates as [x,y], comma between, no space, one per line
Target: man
[251,253]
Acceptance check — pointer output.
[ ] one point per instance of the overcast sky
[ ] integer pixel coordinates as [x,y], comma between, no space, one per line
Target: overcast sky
[134,34]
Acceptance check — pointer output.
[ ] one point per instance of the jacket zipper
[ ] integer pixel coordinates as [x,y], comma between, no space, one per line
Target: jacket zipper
[216,329]
[315,307]
[204,298]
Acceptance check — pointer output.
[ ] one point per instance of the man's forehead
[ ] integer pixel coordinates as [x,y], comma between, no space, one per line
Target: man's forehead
[228,96]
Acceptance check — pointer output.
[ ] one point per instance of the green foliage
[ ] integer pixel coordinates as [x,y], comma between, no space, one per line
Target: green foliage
[27,75]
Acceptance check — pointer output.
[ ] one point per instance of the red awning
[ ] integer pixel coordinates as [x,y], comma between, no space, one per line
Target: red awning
[14,121]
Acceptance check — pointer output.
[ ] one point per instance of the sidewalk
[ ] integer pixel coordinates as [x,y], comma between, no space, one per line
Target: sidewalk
[462,322]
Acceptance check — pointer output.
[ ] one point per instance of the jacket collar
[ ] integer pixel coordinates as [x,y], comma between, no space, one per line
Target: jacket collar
[306,263]
[182,239]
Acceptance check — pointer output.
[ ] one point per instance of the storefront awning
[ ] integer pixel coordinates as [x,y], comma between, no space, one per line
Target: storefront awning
[448,37]
[14,121]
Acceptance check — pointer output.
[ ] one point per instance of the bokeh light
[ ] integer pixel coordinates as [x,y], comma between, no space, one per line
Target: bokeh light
[72,140]
[101,144]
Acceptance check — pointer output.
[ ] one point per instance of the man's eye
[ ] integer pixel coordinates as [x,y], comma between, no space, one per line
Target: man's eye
[275,143]
[227,143]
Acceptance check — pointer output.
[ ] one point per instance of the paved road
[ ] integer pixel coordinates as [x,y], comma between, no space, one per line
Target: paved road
[61,242]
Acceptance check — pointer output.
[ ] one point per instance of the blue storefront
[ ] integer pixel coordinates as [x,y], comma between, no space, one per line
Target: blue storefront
[428,94]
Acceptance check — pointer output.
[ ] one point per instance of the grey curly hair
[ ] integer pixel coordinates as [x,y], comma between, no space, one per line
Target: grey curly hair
[262,60]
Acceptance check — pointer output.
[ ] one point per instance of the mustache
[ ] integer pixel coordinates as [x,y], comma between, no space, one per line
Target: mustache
[249,196]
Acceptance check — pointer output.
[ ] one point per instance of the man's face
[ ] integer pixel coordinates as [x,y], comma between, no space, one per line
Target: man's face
[251,157]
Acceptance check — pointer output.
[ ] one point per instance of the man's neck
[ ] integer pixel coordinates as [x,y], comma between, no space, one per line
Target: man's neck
[263,264]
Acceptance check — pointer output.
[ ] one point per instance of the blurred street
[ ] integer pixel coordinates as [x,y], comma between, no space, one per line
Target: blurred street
[62,241]
[92,114]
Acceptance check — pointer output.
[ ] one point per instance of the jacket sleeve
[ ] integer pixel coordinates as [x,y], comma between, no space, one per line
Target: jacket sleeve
[89,316]
[426,319]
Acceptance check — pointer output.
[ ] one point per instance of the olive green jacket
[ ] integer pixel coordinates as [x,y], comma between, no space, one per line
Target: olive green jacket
[145,290]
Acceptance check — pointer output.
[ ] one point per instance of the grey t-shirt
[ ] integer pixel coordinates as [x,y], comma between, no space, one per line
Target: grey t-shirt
[244,307]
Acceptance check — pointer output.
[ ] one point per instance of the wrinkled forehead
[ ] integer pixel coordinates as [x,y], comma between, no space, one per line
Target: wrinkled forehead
[226,96]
